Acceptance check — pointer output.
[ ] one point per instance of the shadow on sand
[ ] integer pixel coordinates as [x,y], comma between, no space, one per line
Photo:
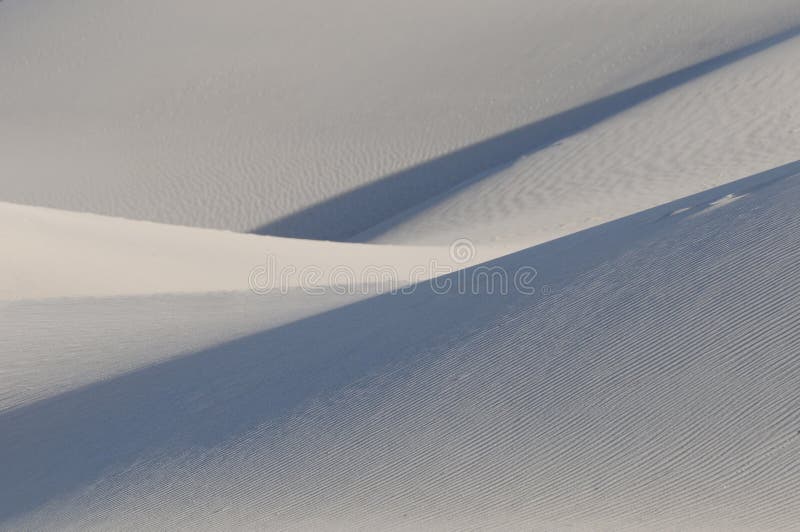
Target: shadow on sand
[345,216]
[213,397]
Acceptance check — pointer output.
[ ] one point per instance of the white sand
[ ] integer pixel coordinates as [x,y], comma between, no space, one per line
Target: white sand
[67,254]
[640,155]
[728,124]
[235,114]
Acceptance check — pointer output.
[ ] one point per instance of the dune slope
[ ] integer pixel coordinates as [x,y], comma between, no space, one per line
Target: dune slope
[250,115]
[58,253]
[399,265]
[698,128]
[650,382]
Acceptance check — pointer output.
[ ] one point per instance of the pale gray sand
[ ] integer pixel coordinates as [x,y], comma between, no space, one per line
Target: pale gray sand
[633,369]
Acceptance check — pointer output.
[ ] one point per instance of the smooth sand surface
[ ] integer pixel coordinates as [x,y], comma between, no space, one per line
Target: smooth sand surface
[399,265]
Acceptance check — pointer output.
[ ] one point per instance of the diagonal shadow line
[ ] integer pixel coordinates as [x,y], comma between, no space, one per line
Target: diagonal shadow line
[216,396]
[347,215]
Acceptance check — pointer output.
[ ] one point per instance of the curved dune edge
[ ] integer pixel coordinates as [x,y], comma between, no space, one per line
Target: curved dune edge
[67,254]
[238,115]
[706,127]
[652,385]
[533,265]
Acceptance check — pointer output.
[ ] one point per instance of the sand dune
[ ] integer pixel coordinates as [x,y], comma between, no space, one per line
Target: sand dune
[67,254]
[653,386]
[239,115]
[720,121]
[399,265]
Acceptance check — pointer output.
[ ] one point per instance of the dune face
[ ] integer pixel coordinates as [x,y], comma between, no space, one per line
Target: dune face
[239,115]
[652,385]
[421,265]
[697,128]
